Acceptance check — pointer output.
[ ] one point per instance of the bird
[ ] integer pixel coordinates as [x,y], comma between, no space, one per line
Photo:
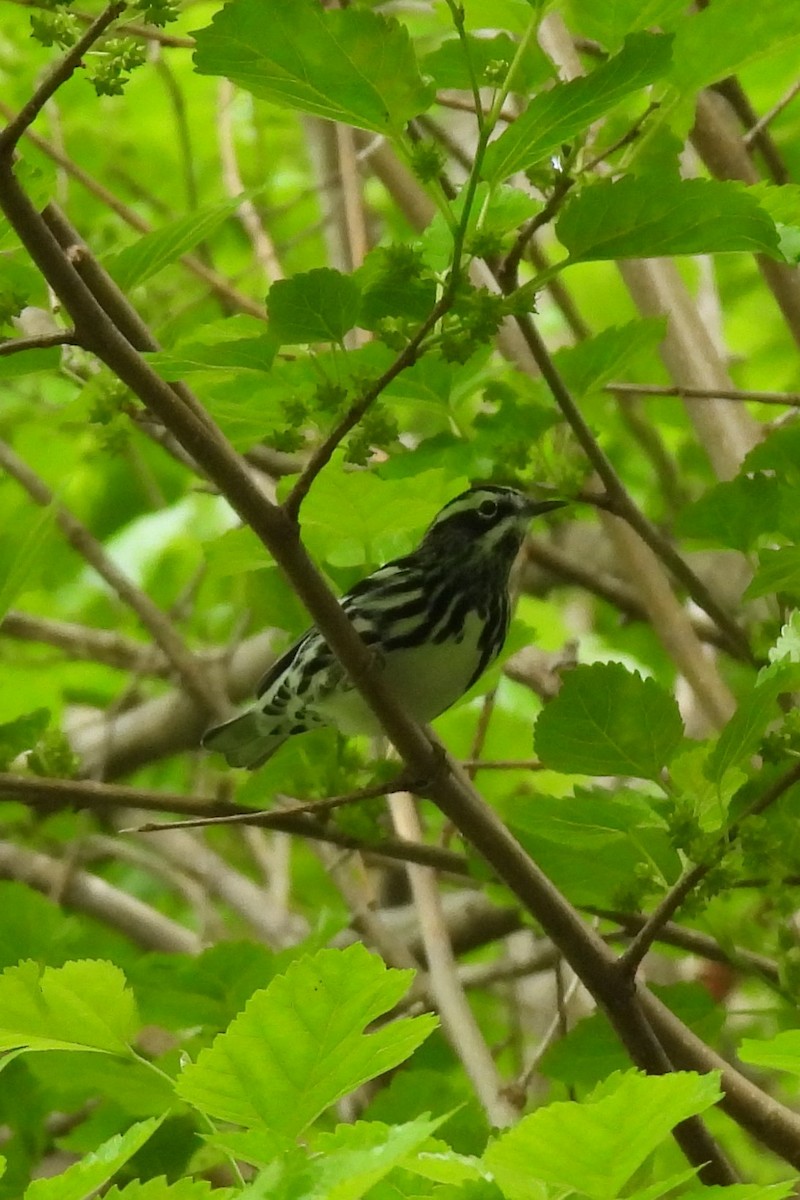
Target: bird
[435,618]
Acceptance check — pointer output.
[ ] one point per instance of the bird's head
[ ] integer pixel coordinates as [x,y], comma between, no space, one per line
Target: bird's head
[485,522]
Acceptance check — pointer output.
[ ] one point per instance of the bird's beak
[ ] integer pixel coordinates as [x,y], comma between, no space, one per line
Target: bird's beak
[537,507]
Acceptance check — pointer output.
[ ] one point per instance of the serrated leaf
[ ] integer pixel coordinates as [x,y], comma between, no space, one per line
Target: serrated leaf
[160,1189]
[719,40]
[348,65]
[35,528]
[778,571]
[154,251]
[318,306]
[568,109]
[83,1178]
[84,1005]
[609,721]
[742,1191]
[594,1148]
[651,216]
[355,1157]
[590,364]
[21,734]
[299,1045]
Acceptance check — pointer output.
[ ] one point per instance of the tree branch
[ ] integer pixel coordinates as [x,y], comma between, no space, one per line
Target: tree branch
[44,341]
[55,77]
[90,894]
[620,503]
[671,902]
[425,757]
[154,620]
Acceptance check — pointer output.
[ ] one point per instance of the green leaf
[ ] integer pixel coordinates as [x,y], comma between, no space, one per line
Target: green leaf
[317,306]
[595,1147]
[727,35]
[145,258]
[84,1178]
[160,1189]
[778,571]
[568,109]
[35,528]
[620,834]
[609,721]
[609,24]
[234,344]
[21,734]
[781,1053]
[32,925]
[83,1005]
[736,512]
[28,362]
[651,216]
[589,365]
[348,65]
[450,69]
[299,1045]
[355,1157]
[742,1191]
[757,709]
[357,518]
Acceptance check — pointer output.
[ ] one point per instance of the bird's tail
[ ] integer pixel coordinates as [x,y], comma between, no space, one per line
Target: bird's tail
[246,741]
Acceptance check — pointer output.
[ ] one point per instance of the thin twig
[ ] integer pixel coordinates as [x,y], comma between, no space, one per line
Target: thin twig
[43,341]
[619,502]
[263,817]
[58,74]
[218,284]
[52,795]
[323,454]
[671,902]
[458,1020]
[90,894]
[788,399]
[128,28]
[755,131]
[195,679]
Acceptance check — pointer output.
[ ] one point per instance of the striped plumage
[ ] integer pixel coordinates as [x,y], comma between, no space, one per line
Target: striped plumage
[436,617]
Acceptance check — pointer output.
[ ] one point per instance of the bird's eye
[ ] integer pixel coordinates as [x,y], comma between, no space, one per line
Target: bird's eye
[488,508]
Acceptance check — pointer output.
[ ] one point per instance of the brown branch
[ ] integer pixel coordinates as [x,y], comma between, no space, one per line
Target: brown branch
[695,942]
[323,454]
[59,73]
[92,895]
[426,759]
[130,28]
[216,283]
[620,502]
[676,895]
[43,341]
[264,817]
[151,616]
[786,399]
[52,795]
[92,645]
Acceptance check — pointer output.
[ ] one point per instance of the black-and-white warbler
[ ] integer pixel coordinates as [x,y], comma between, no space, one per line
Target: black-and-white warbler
[436,618]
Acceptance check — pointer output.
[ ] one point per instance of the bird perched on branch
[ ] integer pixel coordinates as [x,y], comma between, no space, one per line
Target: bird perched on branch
[436,619]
